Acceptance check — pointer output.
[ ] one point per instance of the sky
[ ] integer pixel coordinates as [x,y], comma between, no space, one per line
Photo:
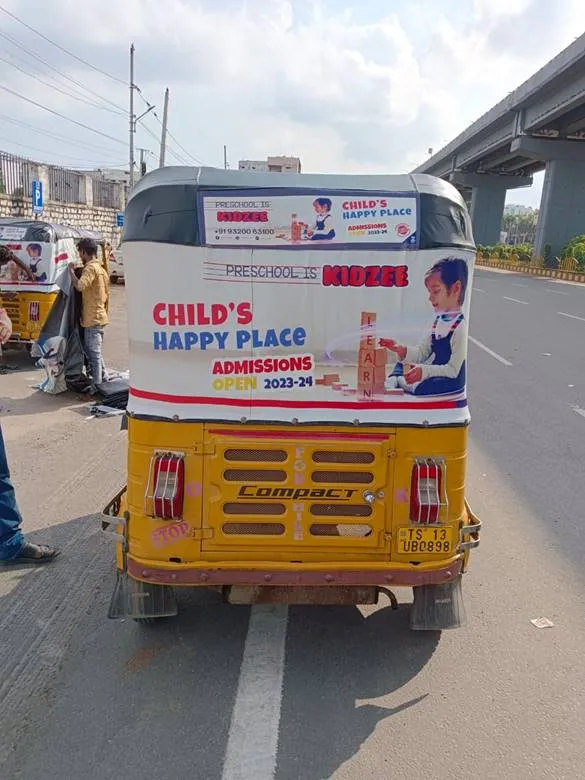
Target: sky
[357,86]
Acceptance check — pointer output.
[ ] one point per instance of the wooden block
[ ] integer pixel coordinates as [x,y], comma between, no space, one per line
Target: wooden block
[319,381]
[329,379]
[371,375]
[368,318]
[372,357]
[365,393]
[368,341]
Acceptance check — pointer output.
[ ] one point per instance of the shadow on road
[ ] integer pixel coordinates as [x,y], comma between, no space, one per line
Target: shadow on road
[336,656]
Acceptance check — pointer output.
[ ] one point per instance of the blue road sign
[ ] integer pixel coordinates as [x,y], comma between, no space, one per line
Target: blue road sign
[120,219]
[37,197]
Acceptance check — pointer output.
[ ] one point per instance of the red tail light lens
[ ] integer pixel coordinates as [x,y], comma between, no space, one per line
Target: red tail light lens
[425,492]
[34,311]
[169,484]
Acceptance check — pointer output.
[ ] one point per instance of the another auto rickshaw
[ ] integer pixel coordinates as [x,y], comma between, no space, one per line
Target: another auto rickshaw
[28,291]
[297,421]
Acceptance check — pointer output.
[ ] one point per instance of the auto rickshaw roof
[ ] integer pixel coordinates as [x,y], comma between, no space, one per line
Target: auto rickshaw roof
[164,203]
[39,230]
[218,178]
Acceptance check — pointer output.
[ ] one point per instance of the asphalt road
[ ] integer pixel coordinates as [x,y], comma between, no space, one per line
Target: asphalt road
[226,693]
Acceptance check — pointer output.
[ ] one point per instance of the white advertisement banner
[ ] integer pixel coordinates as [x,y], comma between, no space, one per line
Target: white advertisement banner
[294,221]
[362,335]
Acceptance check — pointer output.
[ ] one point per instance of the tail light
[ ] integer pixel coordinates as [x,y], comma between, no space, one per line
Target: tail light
[426,490]
[169,484]
[34,311]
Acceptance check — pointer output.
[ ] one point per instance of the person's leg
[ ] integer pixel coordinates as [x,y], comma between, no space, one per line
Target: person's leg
[92,339]
[14,549]
[11,538]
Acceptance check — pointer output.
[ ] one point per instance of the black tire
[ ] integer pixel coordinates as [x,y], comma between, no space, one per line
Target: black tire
[114,279]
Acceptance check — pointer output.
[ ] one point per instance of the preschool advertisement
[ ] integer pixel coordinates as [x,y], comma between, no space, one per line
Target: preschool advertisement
[297,221]
[316,336]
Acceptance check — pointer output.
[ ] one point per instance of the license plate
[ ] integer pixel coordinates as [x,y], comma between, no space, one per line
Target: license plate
[425,540]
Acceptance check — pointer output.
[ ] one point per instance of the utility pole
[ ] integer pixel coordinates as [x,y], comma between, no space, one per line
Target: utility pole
[163,137]
[132,118]
[225,163]
[142,161]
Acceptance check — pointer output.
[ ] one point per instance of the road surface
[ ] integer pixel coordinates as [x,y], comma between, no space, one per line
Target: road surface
[229,693]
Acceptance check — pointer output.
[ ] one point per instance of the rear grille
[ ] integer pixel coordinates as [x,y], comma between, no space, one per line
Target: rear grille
[256,456]
[322,456]
[247,529]
[254,509]
[256,475]
[13,311]
[340,529]
[341,510]
[341,477]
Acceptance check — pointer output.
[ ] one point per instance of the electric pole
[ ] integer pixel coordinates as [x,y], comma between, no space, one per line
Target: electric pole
[132,121]
[163,137]
[142,162]
[225,163]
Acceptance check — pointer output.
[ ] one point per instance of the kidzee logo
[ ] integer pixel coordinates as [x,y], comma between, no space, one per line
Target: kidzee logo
[402,230]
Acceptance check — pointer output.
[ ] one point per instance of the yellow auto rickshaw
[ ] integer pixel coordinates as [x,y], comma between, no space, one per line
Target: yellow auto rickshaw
[29,289]
[297,419]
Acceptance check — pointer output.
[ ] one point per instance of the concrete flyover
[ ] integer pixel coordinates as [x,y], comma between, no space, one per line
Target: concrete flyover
[541,125]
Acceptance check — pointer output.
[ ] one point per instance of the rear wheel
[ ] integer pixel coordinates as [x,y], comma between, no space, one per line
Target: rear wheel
[114,279]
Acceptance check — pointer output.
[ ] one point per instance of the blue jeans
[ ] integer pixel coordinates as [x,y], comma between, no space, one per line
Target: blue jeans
[92,342]
[11,538]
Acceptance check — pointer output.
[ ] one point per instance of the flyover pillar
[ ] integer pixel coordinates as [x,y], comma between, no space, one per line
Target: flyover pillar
[562,205]
[488,197]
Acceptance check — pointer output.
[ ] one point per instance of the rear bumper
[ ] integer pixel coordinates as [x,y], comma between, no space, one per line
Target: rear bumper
[204,575]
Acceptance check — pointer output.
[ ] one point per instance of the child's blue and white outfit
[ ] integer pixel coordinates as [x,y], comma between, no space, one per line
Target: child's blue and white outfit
[324,230]
[441,357]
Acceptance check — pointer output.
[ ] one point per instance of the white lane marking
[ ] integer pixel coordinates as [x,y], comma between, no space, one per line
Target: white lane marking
[518,284]
[253,736]
[490,351]
[514,300]
[578,410]
[556,292]
[477,289]
[571,316]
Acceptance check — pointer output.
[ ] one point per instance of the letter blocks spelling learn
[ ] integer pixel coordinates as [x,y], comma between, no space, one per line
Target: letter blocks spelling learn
[371,370]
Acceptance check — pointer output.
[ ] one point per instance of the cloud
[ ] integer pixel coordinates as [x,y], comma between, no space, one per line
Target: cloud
[346,85]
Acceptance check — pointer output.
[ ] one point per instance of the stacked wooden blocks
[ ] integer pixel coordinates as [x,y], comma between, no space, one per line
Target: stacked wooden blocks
[371,361]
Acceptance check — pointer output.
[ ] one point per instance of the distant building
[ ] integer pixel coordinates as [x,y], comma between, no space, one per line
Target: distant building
[280,164]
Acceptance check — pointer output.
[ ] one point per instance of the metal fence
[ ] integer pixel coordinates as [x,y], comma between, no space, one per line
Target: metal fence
[64,185]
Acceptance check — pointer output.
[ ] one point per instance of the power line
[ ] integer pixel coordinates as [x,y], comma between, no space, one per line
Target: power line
[19,45]
[61,48]
[170,135]
[61,116]
[58,89]
[57,136]
[98,163]
[157,139]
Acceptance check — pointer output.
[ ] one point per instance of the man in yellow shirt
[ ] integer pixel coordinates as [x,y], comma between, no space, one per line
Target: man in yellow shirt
[93,284]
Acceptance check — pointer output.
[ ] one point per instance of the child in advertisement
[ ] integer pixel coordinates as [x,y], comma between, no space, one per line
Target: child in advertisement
[323,229]
[34,252]
[437,365]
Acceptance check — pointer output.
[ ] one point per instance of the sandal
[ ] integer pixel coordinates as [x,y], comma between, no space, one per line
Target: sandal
[32,555]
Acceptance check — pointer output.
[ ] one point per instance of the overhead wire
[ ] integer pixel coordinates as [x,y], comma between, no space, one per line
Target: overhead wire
[97,163]
[61,48]
[58,89]
[187,154]
[61,116]
[58,136]
[19,45]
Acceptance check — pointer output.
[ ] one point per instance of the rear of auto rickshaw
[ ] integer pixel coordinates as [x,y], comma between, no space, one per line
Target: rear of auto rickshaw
[297,421]
[30,288]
